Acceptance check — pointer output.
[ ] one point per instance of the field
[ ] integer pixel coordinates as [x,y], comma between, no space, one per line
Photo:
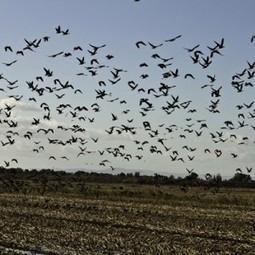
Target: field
[129,219]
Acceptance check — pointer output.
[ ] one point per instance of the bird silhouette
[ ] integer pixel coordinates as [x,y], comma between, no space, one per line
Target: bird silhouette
[173,39]
[193,48]
[139,44]
[10,63]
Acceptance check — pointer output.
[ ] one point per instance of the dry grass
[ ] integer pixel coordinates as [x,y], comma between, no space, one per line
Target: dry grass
[148,220]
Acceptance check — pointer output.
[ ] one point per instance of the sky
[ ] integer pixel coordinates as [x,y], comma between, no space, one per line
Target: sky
[119,25]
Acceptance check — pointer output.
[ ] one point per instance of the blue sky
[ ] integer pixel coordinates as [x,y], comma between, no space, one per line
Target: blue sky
[120,24]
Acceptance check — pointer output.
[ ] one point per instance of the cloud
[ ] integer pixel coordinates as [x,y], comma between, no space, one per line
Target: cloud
[19,105]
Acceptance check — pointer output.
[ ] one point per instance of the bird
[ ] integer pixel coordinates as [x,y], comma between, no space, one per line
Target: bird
[10,63]
[48,72]
[20,52]
[212,78]
[218,152]
[56,54]
[193,48]
[189,75]
[8,48]
[7,164]
[95,140]
[139,44]
[46,38]
[81,60]
[190,171]
[153,46]
[220,44]
[95,49]
[132,85]
[58,29]
[239,170]
[208,176]
[173,39]
[14,160]
[66,32]
[76,48]
[248,169]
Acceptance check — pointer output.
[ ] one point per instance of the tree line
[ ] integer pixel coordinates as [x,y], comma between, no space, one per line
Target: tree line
[19,176]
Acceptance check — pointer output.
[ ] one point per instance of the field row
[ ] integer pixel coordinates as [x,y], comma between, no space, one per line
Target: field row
[61,225]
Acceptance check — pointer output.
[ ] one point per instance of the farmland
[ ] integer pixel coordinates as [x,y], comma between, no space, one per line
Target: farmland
[129,219]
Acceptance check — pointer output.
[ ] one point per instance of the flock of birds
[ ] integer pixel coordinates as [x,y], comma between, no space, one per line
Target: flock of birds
[134,122]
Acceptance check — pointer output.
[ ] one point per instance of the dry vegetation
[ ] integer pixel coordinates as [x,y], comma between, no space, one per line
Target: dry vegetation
[130,219]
